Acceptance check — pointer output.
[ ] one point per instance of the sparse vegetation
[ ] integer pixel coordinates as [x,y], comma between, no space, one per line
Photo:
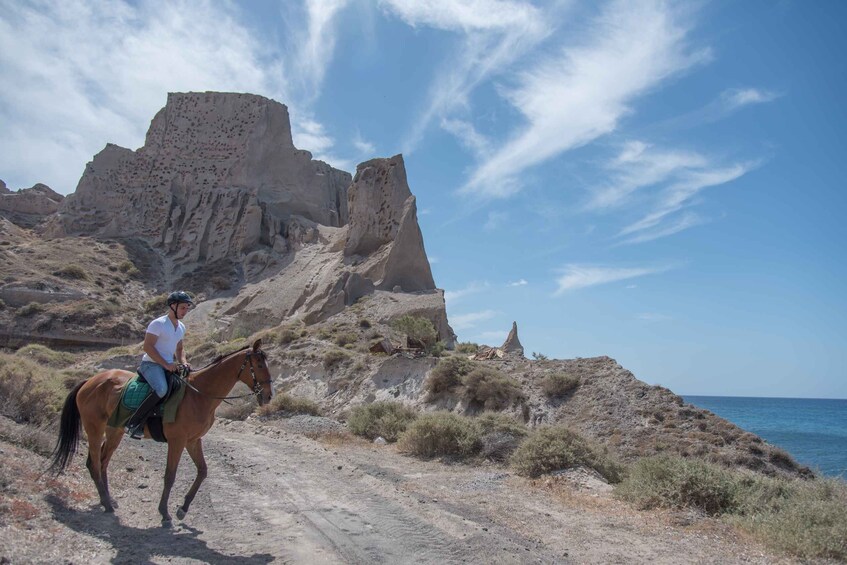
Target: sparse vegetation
[29,392]
[45,356]
[157,304]
[491,389]
[239,410]
[553,448]
[500,435]
[129,268]
[30,309]
[557,385]
[416,328]
[441,434]
[72,271]
[539,356]
[288,405]
[343,339]
[447,375]
[335,357]
[381,419]
[467,348]
[807,518]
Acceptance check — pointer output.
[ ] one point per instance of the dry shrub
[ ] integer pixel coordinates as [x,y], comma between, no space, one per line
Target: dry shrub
[239,410]
[287,405]
[553,448]
[666,481]
[29,393]
[500,435]
[490,388]
[157,304]
[418,328]
[467,348]
[447,375]
[557,385]
[345,338]
[381,419]
[29,309]
[45,356]
[335,357]
[441,434]
[72,271]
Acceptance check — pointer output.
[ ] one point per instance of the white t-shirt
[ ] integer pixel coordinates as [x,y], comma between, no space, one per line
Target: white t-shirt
[168,337]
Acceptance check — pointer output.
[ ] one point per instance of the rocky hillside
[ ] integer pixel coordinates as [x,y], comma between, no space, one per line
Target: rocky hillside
[320,263]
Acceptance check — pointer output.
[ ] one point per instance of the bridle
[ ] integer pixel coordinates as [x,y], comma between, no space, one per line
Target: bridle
[261,361]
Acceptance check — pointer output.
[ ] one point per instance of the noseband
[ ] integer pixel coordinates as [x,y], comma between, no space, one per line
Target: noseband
[261,362]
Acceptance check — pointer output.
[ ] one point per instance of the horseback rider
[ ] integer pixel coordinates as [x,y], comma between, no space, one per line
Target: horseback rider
[163,350]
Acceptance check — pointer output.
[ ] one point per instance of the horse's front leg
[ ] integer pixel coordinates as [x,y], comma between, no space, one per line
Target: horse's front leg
[195,450]
[175,447]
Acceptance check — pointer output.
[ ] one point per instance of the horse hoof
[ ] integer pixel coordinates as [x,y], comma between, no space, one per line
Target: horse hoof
[108,509]
[180,513]
[114,503]
[167,523]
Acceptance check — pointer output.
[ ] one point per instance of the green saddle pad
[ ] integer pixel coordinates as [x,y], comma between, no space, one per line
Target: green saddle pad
[135,393]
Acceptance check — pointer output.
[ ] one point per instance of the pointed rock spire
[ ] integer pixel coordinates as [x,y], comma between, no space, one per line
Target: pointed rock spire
[512,343]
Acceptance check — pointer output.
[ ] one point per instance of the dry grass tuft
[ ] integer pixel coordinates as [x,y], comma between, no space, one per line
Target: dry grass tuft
[441,434]
[558,385]
[381,419]
[287,405]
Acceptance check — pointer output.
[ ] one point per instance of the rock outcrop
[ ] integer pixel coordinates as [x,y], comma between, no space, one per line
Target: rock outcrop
[233,208]
[513,344]
[217,179]
[28,206]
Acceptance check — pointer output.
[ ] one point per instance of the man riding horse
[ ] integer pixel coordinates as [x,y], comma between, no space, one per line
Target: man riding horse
[163,351]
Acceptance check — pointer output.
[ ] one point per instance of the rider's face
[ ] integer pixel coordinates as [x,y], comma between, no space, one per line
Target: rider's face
[181,310]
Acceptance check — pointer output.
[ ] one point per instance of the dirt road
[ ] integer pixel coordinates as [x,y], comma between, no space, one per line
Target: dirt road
[276,496]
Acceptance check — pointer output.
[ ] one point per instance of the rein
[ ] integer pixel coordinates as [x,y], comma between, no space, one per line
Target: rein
[257,385]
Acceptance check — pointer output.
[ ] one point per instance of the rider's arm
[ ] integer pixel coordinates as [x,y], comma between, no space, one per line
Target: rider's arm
[150,349]
[180,354]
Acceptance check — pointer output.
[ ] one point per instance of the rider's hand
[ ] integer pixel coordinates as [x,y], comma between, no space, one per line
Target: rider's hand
[172,367]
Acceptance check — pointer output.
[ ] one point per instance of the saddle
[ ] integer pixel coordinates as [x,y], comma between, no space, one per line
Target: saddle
[134,393]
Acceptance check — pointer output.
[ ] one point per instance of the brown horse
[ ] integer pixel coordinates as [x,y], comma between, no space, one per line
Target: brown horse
[92,401]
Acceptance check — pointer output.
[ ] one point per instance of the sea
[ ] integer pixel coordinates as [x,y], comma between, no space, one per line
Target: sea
[813,431]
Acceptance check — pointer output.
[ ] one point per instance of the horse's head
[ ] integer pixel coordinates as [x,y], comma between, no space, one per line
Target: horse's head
[256,374]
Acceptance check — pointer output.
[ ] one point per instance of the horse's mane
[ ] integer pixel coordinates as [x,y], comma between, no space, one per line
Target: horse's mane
[220,358]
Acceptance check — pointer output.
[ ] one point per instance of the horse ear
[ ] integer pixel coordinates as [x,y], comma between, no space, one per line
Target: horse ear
[257,345]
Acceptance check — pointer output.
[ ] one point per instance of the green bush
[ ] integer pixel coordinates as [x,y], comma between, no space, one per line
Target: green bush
[666,481]
[417,328]
[157,304]
[381,419]
[72,271]
[45,356]
[558,385]
[447,375]
[334,357]
[811,521]
[467,348]
[552,448]
[285,404]
[490,388]
[441,434]
[500,435]
[29,392]
[30,309]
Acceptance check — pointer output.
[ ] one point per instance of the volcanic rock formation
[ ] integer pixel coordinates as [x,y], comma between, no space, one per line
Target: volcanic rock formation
[221,193]
[28,206]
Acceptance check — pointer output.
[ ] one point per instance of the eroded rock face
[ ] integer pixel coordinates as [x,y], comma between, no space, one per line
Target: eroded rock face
[217,178]
[512,343]
[28,206]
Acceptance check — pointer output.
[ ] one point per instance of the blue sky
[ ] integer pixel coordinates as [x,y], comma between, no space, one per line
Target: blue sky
[659,182]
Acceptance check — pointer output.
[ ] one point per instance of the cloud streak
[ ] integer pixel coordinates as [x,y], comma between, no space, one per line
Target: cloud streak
[471,319]
[575,277]
[581,93]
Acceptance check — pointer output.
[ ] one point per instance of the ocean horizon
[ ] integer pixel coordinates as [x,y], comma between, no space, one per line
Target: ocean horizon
[812,430]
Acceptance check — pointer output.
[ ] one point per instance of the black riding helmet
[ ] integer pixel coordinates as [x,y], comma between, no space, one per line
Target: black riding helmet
[178,297]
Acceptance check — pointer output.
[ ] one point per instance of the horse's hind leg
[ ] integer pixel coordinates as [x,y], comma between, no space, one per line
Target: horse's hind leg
[195,450]
[95,433]
[175,447]
[113,439]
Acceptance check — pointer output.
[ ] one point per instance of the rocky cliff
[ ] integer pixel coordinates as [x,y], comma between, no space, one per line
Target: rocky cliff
[233,209]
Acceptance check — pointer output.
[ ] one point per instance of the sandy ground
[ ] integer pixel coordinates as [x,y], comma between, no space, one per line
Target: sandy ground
[276,496]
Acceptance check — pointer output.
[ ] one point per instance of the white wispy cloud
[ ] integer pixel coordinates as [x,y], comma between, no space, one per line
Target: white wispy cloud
[494,34]
[87,73]
[495,220]
[581,93]
[363,146]
[738,97]
[316,44]
[465,132]
[583,276]
[494,337]
[471,319]
[453,296]
[520,282]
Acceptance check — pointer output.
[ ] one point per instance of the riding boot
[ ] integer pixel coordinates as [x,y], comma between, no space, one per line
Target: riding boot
[135,425]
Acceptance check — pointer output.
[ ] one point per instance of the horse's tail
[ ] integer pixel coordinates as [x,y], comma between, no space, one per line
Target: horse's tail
[69,428]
